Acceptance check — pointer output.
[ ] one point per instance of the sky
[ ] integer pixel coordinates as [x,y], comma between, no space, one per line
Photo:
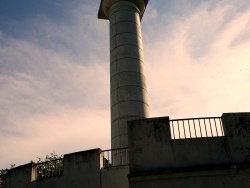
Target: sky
[54,70]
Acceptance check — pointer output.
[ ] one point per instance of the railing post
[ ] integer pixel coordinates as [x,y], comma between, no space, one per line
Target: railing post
[34,172]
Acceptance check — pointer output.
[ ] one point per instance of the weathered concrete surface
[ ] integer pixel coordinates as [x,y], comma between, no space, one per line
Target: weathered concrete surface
[227,178]
[237,131]
[156,160]
[152,138]
[81,169]
[115,177]
[19,177]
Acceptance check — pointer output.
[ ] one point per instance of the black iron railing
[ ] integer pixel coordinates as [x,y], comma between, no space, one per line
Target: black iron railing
[196,128]
[115,157]
[48,169]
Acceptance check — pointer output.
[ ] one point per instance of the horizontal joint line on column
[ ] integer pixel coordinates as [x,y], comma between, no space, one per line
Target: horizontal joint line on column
[131,101]
[124,117]
[127,58]
[131,86]
[123,22]
[125,45]
[119,135]
[123,33]
[125,72]
[121,10]
[127,86]
[126,32]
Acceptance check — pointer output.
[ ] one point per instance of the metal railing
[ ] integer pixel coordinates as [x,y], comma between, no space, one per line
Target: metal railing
[115,157]
[48,169]
[196,128]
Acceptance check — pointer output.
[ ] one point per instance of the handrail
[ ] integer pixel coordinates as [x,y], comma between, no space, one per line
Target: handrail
[48,169]
[114,157]
[196,127]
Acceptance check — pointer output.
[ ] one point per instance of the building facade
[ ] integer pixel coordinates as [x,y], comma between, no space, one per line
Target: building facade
[158,158]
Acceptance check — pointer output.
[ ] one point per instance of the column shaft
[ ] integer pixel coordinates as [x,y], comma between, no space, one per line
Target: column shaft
[127,79]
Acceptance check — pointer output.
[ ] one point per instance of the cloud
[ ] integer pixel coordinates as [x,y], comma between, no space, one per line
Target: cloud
[197,69]
[63,132]
[54,76]
[54,79]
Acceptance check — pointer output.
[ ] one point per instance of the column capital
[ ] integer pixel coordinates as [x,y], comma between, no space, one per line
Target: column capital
[105,5]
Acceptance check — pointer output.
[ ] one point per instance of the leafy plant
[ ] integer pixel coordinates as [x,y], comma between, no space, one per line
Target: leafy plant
[3,173]
[50,167]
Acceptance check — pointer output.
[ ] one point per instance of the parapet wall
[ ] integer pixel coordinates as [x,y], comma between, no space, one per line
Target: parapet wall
[81,168]
[152,148]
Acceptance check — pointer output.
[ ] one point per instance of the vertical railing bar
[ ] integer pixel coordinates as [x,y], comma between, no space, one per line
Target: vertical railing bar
[205,127]
[179,129]
[222,129]
[172,125]
[183,123]
[56,169]
[200,127]
[216,127]
[210,127]
[112,159]
[108,159]
[189,128]
[195,129]
[174,130]
[45,172]
[190,134]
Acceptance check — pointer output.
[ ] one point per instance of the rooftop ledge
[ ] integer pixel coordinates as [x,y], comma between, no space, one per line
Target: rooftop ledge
[106,4]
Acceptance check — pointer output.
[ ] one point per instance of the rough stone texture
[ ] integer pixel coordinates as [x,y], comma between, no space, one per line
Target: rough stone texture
[156,160]
[127,79]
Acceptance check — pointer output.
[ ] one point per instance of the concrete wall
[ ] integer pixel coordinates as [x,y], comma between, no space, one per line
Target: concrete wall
[81,169]
[237,130]
[229,179]
[156,160]
[115,177]
[152,138]
[19,177]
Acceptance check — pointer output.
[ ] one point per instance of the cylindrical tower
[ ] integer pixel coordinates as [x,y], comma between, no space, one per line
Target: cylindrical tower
[127,79]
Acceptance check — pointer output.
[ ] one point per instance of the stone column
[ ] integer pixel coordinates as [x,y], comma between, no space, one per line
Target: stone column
[127,78]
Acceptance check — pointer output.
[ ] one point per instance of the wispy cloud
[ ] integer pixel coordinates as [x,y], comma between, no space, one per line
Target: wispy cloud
[196,67]
[54,74]
[54,87]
